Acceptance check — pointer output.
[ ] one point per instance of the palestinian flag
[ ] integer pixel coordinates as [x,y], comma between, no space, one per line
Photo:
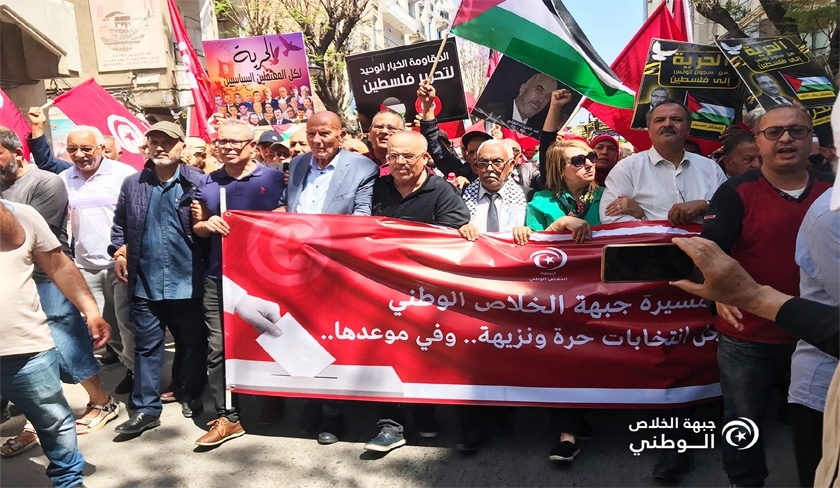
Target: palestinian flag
[809,84]
[543,35]
[709,112]
[286,130]
[394,104]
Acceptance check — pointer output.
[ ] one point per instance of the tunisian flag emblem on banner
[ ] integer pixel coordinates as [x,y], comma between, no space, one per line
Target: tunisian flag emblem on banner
[375,308]
[89,104]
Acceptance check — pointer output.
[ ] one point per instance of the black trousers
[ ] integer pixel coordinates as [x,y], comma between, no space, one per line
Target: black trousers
[807,425]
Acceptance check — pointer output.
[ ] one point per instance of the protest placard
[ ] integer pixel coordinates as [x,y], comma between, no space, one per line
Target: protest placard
[265,75]
[390,78]
[516,97]
[696,75]
[781,70]
[445,320]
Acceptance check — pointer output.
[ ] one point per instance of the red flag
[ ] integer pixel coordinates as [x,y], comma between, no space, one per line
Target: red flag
[629,66]
[89,104]
[682,17]
[494,61]
[198,79]
[11,119]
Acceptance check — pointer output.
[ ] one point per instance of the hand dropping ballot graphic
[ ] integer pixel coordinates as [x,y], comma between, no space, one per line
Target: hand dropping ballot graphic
[300,360]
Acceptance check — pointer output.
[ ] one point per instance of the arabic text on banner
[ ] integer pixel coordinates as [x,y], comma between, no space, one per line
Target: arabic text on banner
[375,308]
[698,76]
[390,78]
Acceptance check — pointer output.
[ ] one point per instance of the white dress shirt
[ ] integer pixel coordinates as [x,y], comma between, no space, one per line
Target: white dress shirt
[91,210]
[656,184]
[315,189]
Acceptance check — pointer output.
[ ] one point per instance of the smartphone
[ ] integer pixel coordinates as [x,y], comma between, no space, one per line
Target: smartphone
[633,263]
[285,166]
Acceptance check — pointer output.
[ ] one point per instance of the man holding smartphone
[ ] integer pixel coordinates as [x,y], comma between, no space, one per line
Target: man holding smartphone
[754,218]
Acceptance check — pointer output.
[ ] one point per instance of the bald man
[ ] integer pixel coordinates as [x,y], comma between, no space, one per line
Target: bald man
[525,114]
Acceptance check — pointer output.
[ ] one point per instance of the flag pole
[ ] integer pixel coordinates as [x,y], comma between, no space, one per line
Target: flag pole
[437,56]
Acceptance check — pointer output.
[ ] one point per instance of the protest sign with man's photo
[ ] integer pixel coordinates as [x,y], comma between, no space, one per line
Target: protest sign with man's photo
[699,77]
[389,79]
[516,97]
[262,80]
[783,71]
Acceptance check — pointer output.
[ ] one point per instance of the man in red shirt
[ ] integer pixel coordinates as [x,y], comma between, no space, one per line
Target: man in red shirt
[755,217]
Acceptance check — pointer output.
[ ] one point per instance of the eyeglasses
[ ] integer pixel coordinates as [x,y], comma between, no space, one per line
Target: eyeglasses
[407,158]
[497,163]
[775,132]
[516,151]
[84,149]
[384,128]
[581,159]
[233,143]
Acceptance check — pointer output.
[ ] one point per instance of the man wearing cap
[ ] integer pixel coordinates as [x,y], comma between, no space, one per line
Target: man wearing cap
[159,257]
[264,153]
[606,148]
[249,185]
[195,155]
[444,159]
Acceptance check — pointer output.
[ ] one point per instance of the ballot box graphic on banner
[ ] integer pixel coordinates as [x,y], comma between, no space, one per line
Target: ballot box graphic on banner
[376,308]
[781,71]
[390,78]
[698,76]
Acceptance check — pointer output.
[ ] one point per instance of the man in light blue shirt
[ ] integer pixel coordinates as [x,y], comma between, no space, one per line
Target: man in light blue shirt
[818,257]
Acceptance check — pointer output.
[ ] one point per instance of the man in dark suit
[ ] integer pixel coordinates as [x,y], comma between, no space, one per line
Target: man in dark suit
[657,96]
[523,115]
[771,95]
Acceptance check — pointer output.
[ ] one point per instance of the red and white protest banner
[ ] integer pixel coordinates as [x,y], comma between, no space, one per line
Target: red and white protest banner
[89,104]
[197,77]
[375,308]
[11,119]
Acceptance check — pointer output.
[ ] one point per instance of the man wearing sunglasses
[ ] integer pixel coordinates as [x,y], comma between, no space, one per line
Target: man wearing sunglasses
[754,218]
[665,182]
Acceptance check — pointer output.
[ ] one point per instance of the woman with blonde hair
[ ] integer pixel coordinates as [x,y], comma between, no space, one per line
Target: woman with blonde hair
[569,201]
[571,198]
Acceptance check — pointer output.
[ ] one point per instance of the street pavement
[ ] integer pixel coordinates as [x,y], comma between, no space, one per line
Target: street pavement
[280,456]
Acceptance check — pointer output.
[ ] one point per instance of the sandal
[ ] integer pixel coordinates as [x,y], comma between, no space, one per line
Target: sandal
[107,413]
[15,445]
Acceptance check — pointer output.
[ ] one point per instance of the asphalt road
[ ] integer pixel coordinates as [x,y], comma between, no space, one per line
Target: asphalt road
[279,456]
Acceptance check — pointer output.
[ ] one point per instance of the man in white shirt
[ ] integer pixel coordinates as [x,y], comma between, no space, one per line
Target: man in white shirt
[93,186]
[664,182]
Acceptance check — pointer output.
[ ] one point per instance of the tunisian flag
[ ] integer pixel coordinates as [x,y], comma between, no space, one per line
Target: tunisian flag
[89,104]
[629,66]
[198,79]
[377,308]
[11,119]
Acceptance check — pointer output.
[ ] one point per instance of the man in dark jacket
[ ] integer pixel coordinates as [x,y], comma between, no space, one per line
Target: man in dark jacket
[157,255]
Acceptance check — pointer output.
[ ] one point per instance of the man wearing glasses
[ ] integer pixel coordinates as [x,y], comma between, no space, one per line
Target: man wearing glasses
[665,182]
[410,192]
[248,185]
[384,124]
[754,218]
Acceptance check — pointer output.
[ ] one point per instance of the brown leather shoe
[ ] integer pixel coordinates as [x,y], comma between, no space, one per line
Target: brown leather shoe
[221,430]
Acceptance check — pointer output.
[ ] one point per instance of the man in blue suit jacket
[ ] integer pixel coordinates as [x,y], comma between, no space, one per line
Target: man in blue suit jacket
[329,180]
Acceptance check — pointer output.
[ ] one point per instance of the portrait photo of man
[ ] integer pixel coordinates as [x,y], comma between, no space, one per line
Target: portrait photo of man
[771,94]
[658,95]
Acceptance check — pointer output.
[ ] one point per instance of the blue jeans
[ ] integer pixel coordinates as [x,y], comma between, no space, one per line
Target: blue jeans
[185,319]
[31,382]
[749,374]
[73,344]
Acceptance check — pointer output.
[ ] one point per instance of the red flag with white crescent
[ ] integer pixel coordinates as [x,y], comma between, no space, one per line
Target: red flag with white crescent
[11,119]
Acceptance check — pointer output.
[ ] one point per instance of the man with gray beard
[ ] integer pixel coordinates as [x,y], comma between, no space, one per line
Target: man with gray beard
[156,253]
